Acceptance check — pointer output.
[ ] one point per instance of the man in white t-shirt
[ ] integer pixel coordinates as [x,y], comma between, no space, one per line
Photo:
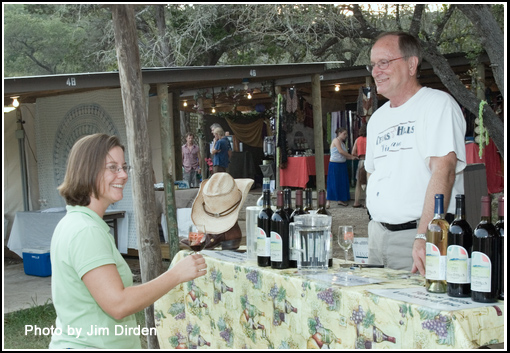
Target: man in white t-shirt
[415,149]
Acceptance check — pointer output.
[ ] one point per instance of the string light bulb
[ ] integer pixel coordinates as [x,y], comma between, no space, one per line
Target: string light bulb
[15,102]
[337,88]
[185,103]
[249,95]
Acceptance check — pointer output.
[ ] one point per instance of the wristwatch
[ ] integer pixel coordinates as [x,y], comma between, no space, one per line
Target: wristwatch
[420,236]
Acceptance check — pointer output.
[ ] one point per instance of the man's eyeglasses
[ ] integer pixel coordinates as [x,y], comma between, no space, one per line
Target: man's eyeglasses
[115,169]
[382,64]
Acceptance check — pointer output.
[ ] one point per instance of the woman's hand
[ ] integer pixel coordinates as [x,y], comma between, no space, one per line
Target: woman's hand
[189,268]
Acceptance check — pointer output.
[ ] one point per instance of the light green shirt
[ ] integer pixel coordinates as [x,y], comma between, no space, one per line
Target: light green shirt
[82,242]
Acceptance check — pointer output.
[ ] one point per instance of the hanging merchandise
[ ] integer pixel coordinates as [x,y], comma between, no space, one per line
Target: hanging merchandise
[292,100]
[367,101]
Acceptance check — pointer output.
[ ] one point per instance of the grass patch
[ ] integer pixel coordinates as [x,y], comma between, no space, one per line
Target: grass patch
[44,317]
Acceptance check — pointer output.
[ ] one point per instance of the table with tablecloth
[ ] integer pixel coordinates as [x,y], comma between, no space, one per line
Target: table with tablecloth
[34,229]
[298,171]
[240,305]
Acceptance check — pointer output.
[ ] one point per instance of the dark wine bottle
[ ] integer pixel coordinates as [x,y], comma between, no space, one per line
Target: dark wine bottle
[484,268]
[293,254]
[308,200]
[458,255]
[437,241]
[287,202]
[266,185]
[279,235]
[500,231]
[264,234]
[321,209]
[299,205]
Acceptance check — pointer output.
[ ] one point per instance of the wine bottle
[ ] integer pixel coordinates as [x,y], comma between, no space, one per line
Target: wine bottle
[458,255]
[500,231]
[321,203]
[327,337]
[321,209]
[279,235]
[289,308]
[436,246]
[287,202]
[484,269]
[293,253]
[308,200]
[374,334]
[264,233]
[266,185]
[299,205]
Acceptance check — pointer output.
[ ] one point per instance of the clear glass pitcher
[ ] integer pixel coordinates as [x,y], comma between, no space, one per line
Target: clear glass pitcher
[310,238]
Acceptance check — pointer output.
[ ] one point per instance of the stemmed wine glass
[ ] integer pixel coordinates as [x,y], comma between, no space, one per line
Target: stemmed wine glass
[197,237]
[345,239]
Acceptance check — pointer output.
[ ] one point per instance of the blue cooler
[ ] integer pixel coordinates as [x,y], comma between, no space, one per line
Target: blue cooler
[36,262]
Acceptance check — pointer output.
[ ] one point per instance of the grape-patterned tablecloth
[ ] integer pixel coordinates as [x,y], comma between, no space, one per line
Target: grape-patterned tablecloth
[241,305]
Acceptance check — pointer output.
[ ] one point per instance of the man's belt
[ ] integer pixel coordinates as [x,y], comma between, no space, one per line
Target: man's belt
[402,226]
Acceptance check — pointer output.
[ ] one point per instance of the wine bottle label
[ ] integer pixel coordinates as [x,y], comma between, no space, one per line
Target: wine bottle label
[263,243]
[435,263]
[458,266]
[480,272]
[276,247]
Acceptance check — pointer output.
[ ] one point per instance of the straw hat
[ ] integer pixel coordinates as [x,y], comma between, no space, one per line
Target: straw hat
[219,201]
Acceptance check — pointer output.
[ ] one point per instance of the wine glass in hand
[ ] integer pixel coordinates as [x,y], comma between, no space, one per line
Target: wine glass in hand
[196,237]
[345,239]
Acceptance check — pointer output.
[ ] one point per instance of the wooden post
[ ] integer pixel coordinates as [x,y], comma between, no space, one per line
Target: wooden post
[277,91]
[133,101]
[318,133]
[166,131]
[204,167]
[176,120]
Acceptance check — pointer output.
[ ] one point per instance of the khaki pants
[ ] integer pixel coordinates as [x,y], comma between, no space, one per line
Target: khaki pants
[391,249]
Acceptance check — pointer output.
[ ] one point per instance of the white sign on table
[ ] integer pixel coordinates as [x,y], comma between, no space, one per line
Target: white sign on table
[226,255]
[420,296]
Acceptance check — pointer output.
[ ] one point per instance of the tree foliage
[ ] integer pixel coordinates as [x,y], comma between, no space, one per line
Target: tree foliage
[54,39]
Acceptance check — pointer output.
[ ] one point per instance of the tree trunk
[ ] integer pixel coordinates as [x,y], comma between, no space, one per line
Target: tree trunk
[465,97]
[167,138]
[491,37]
[167,56]
[139,150]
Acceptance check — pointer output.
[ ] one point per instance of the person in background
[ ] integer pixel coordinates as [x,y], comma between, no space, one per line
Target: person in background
[338,176]
[190,160]
[213,143]
[221,151]
[359,150]
[415,149]
[92,285]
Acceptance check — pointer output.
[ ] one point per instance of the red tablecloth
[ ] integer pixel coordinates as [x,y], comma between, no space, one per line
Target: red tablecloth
[299,169]
[492,161]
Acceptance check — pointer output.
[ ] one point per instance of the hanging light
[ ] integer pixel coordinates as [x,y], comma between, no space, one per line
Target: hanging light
[213,105]
[12,106]
[337,88]
[185,103]
[249,95]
